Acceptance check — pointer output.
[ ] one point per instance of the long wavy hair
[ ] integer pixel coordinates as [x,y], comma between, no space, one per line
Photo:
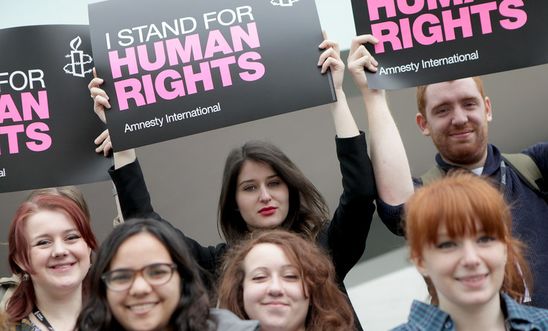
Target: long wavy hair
[23,298]
[329,308]
[308,210]
[460,201]
[192,310]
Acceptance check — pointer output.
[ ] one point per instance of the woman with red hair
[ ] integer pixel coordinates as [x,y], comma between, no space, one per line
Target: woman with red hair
[458,231]
[50,246]
[285,282]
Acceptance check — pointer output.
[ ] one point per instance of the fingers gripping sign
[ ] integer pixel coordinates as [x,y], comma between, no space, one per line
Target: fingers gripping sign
[104,143]
[360,59]
[330,59]
[100,103]
[99,96]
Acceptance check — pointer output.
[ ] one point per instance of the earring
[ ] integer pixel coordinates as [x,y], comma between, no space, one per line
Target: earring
[25,277]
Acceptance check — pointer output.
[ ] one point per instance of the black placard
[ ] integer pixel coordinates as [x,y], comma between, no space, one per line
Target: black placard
[174,68]
[427,41]
[47,125]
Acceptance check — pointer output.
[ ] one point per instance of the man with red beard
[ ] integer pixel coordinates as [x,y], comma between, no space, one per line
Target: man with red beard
[455,114]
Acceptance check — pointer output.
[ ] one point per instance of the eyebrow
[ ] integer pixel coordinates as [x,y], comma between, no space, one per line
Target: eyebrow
[46,235]
[254,180]
[459,100]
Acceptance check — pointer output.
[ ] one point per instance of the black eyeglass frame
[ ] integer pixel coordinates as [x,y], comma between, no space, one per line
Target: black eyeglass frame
[106,276]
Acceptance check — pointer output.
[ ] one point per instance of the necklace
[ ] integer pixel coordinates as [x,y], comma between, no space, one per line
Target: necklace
[39,316]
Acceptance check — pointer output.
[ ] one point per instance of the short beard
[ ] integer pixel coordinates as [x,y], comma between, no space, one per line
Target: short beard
[464,156]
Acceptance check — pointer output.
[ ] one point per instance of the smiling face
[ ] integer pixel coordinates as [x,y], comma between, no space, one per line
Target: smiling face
[59,256]
[142,306]
[262,196]
[273,290]
[466,271]
[456,117]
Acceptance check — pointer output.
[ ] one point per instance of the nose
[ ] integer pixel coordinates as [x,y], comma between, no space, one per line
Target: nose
[264,196]
[59,249]
[140,286]
[275,286]
[470,256]
[460,117]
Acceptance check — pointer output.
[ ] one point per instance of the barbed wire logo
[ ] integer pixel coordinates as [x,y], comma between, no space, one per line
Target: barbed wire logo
[283,3]
[80,62]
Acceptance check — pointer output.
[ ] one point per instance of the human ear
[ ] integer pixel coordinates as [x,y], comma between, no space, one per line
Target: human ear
[488,109]
[22,267]
[422,123]
[419,264]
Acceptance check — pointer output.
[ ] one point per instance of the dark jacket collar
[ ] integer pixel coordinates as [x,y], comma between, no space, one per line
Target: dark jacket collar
[492,162]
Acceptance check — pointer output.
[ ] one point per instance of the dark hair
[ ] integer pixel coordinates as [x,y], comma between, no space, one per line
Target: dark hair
[459,201]
[23,299]
[329,308]
[192,310]
[308,210]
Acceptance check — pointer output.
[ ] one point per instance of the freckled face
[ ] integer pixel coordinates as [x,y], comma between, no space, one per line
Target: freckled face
[59,256]
[273,290]
[457,119]
[262,196]
[465,271]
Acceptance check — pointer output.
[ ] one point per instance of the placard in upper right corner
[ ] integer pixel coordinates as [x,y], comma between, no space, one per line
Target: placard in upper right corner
[428,41]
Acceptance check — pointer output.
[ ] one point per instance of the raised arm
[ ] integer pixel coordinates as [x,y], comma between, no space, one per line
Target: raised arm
[133,199]
[330,59]
[104,145]
[346,236]
[392,172]
[132,192]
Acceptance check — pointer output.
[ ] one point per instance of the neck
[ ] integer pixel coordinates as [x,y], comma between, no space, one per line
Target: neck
[469,165]
[60,309]
[487,316]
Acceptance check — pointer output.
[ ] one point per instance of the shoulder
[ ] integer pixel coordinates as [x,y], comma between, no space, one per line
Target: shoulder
[425,316]
[404,327]
[518,314]
[225,320]
[25,325]
[537,151]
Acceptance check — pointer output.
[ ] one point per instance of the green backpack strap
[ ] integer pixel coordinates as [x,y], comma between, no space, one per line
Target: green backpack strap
[432,175]
[526,168]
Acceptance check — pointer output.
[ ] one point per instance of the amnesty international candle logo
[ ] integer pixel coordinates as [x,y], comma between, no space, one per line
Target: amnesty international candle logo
[80,63]
[283,3]
[46,128]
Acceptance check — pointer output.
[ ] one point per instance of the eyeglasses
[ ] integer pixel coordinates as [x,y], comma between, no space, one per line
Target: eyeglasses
[155,274]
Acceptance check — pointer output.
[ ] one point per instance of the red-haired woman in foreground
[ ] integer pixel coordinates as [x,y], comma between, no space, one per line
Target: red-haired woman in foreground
[458,230]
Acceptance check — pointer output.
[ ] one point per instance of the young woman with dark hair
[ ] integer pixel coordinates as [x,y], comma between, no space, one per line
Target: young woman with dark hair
[285,282]
[458,231]
[145,279]
[263,189]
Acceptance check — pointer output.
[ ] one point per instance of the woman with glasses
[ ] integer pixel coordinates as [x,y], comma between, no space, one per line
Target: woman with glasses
[50,246]
[263,189]
[145,279]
